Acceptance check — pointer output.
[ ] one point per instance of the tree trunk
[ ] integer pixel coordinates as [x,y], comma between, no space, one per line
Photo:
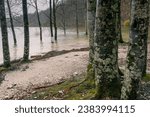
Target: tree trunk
[26,30]
[91,27]
[64,17]
[119,31]
[86,17]
[54,17]
[11,22]
[51,17]
[77,22]
[5,44]
[108,84]
[146,39]
[38,17]
[136,56]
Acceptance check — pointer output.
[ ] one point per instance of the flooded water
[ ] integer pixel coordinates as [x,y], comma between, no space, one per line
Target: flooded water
[37,47]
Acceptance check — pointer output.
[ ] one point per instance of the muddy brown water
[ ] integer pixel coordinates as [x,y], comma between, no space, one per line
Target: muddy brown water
[37,47]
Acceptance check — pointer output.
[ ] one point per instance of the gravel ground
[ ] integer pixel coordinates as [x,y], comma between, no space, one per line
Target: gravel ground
[42,72]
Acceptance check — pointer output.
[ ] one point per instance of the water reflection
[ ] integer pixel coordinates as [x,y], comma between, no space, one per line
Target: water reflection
[15,52]
[70,41]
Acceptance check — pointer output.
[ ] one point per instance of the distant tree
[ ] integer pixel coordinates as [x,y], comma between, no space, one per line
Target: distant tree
[63,8]
[91,11]
[137,52]
[86,17]
[5,44]
[54,19]
[34,4]
[11,22]
[51,17]
[77,17]
[26,30]
[106,64]
[38,18]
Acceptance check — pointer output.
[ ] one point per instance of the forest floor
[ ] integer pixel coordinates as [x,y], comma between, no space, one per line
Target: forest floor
[51,69]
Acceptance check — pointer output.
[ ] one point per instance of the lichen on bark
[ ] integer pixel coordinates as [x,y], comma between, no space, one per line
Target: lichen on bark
[91,11]
[108,84]
[137,52]
[5,44]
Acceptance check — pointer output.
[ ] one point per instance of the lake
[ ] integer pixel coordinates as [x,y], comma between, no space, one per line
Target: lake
[37,47]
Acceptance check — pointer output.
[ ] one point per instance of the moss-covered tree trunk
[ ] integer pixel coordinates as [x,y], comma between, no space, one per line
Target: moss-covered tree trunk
[118,20]
[6,55]
[26,30]
[106,50]
[91,11]
[145,34]
[137,49]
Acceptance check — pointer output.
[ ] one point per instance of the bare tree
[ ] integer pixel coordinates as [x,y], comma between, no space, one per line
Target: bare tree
[51,17]
[35,5]
[38,17]
[11,22]
[61,12]
[26,30]
[54,19]
[86,17]
[6,54]
[76,13]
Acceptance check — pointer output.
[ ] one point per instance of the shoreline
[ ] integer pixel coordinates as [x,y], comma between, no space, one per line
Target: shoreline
[45,71]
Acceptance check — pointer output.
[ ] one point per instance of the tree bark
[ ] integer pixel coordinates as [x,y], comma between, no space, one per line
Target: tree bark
[26,30]
[5,44]
[64,17]
[119,30]
[108,84]
[91,11]
[38,17]
[11,22]
[51,17]
[137,52]
[86,17]
[54,17]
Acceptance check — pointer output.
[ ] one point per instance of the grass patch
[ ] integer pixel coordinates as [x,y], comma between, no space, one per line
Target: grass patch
[2,69]
[77,88]
[146,78]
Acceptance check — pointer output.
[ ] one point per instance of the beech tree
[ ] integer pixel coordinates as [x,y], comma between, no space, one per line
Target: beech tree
[77,17]
[38,17]
[11,22]
[26,30]
[51,17]
[118,22]
[5,44]
[137,52]
[106,50]
[91,11]
[54,20]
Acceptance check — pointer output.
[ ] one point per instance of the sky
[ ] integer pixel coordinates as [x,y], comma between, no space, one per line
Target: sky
[17,9]
[42,5]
